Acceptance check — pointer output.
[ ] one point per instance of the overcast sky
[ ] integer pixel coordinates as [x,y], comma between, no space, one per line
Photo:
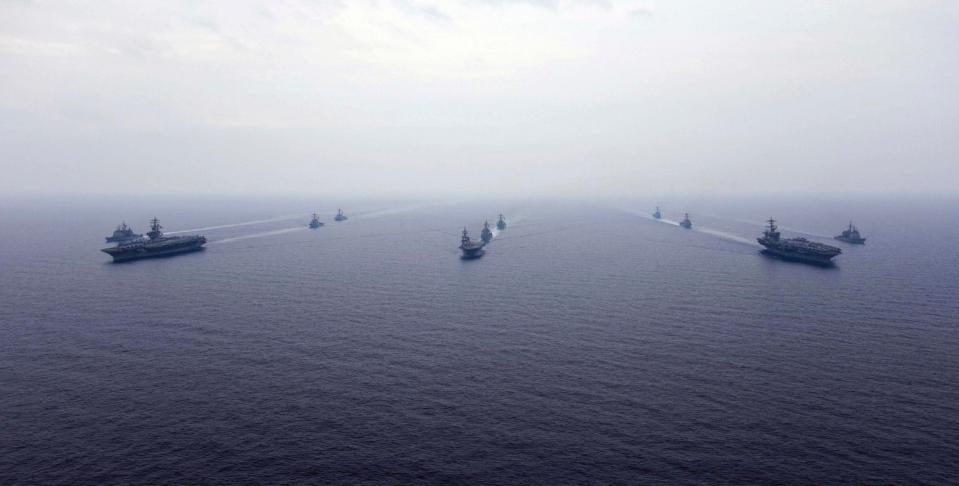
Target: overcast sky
[498,96]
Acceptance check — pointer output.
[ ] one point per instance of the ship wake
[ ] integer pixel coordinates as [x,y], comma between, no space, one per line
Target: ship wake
[235,225]
[727,236]
[260,235]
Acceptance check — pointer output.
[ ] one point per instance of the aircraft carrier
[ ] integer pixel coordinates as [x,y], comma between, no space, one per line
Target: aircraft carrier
[796,249]
[155,245]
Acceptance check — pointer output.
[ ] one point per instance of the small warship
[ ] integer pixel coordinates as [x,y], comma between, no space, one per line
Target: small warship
[686,223]
[796,249]
[657,214]
[471,249]
[851,235]
[315,222]
[340,216]
[486,235]
[123,234]
[156,245]
[501,224]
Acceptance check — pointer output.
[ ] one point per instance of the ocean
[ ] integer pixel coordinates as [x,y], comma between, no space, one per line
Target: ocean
[591,345]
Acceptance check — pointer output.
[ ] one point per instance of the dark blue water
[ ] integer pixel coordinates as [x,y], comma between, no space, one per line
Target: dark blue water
[590,345]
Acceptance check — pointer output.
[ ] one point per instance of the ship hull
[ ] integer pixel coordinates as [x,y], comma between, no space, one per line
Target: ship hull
[143,253]
[798,257]
[472,255]
[851,241]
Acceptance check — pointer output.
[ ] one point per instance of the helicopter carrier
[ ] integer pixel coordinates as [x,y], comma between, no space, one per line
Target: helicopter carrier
[155,245]
[123,234]
[796,249]
[471,249]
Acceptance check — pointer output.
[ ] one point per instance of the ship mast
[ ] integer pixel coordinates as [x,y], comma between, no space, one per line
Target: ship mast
[771,232]
[155,229]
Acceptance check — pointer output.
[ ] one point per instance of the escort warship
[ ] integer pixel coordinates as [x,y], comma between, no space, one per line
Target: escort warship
[155,245]
[796,249]
[686,223]
[501,224]
[123,234]
[851,235]
[657,214]
[471,249]
[340,216]
[315,222]
[486,235]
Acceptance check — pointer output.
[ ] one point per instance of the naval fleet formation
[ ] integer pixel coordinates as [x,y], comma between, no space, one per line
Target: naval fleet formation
[132,246]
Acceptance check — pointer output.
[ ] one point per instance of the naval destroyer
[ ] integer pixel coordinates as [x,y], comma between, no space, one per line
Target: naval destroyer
[486,235]
[851,235]
[501,224]
[315,222]
[123,234]
[657,214]
[796,249]
[686,223]
[471,249]
[155,245]
[340,216]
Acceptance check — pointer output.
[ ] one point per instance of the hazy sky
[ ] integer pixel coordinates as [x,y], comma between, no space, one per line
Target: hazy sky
[514,97]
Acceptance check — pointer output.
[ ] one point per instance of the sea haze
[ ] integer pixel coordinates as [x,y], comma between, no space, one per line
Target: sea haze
[590,344]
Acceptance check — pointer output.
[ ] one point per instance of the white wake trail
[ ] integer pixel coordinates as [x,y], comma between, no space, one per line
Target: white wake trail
[260,235]
[234,225]
[727,236]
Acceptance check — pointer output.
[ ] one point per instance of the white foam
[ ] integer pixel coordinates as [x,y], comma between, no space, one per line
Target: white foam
[260,235]
[234,225]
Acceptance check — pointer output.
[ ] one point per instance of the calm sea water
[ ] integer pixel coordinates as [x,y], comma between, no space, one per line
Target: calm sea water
[590,345]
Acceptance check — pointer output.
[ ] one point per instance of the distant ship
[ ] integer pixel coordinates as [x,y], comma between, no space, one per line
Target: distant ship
[471,249]
[686,223]
[797,249]
[851,235]
[501,224]
[486,235]
[123,234]
[657,214]
[155,246]
[315,222]
[340,216]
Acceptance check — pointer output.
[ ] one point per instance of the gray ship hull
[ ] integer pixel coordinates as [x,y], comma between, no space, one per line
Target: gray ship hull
[799,257]
[851,241]
[140,252]
[131,256]
[472,254]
